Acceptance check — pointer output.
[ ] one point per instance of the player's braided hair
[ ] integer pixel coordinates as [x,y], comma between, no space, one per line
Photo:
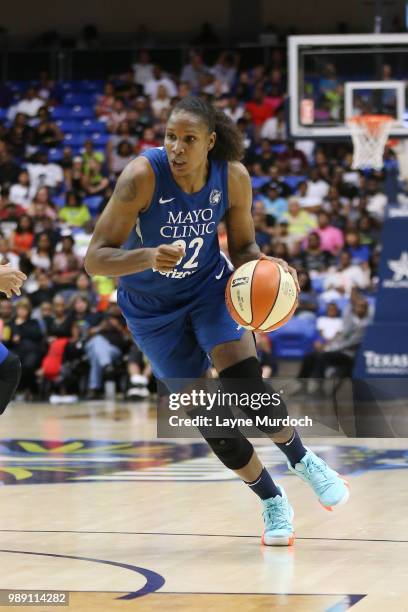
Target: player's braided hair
[229,144]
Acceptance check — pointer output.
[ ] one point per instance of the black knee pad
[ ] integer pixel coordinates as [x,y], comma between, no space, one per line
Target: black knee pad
[245,378]
[10,374]
[235,453]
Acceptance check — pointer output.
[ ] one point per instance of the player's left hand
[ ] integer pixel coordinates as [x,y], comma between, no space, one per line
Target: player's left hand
[285,266]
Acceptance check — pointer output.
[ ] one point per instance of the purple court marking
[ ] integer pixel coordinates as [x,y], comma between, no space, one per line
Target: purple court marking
[154,581]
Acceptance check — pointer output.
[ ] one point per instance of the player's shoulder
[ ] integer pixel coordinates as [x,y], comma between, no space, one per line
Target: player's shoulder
[238,178]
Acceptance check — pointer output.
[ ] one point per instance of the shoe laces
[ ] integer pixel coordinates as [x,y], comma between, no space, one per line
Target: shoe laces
[318,473]
[275,513]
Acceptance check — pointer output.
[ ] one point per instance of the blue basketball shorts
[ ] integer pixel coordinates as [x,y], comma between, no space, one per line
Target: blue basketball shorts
[178,335]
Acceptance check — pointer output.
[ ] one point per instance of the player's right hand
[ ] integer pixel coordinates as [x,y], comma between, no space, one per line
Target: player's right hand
[11,280]
[165,257]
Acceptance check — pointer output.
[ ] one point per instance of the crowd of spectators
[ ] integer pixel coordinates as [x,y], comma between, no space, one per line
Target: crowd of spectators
[309,207]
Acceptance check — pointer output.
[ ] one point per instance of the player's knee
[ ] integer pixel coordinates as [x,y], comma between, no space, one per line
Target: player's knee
[10,374]
[234,453]
[245,379]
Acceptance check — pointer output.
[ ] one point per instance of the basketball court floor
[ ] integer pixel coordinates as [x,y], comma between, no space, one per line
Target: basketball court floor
[94,504]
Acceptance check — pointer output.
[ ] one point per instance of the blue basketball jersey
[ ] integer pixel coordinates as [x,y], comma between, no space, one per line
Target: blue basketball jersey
[176,217]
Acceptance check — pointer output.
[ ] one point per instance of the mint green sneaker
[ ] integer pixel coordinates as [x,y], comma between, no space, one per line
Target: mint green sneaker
[329,486]
[278,516]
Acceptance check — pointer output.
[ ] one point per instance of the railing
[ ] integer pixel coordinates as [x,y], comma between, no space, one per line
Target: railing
[62,64]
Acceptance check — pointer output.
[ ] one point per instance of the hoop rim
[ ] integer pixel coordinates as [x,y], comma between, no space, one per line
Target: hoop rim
[374,120]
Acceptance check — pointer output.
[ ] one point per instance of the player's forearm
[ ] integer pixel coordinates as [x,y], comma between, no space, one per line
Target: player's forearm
[247,253]
[112,261]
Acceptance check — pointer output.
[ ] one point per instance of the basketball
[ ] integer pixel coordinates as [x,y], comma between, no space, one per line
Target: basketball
[261,296]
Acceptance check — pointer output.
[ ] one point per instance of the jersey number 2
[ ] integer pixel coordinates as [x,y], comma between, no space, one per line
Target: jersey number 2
[195,244]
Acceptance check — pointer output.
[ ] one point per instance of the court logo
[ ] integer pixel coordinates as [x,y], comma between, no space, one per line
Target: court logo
[244,280]
[400,269]
[215,197]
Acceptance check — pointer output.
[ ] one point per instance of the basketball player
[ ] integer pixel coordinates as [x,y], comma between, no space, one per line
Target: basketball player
[159,234]
[10,366]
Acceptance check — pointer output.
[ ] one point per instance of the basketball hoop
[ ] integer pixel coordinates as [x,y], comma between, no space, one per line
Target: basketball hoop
[370,135]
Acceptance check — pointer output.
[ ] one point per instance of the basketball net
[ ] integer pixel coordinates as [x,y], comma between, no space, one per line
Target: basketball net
[369,134]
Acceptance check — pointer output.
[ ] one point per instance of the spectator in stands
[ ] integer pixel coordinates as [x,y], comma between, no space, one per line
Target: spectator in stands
[107,343]
[139,372]
[360,253]
[331,238]
[317,188]
[61,320]
[44,173]
[293,159]
[159,78]
[274,128]
[275,205]
[313,257]
[22,238]
[225,68]
[162,101]
[88,155]
[6,254]
[29,105]
[121,156]
[148,140]
[104,104]
[192,72]
[62,258]
[41,255]
[27,341]
[234,109]
[300,222]
[19,136]
[9,170]
[122,134]
[347,275]
[376,200]
[258,108]
[45,292]
[9,211]
[263,231]
[93,182]
[6,318]
[74,213]
[47,133]
[307,298]
[119,113]
[143,68]
[328,325]
[368,233]
[338,352]
[41,206]
[20,191]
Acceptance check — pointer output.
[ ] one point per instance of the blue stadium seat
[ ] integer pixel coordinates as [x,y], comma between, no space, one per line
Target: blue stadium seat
[93,203]
[82,112]
[294,180]
[74,140]
[79,99]
[93,125]
[259,181]
[17,85]
[317,284]
[60,112]
[3,114]
[295,339]
[67,125]
[54,155]
[99,139]
[95,85]
[59,200]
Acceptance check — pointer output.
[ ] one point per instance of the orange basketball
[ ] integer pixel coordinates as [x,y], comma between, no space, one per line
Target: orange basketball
[261,296]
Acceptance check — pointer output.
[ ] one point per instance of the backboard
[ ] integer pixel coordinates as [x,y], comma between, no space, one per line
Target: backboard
[335,77]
